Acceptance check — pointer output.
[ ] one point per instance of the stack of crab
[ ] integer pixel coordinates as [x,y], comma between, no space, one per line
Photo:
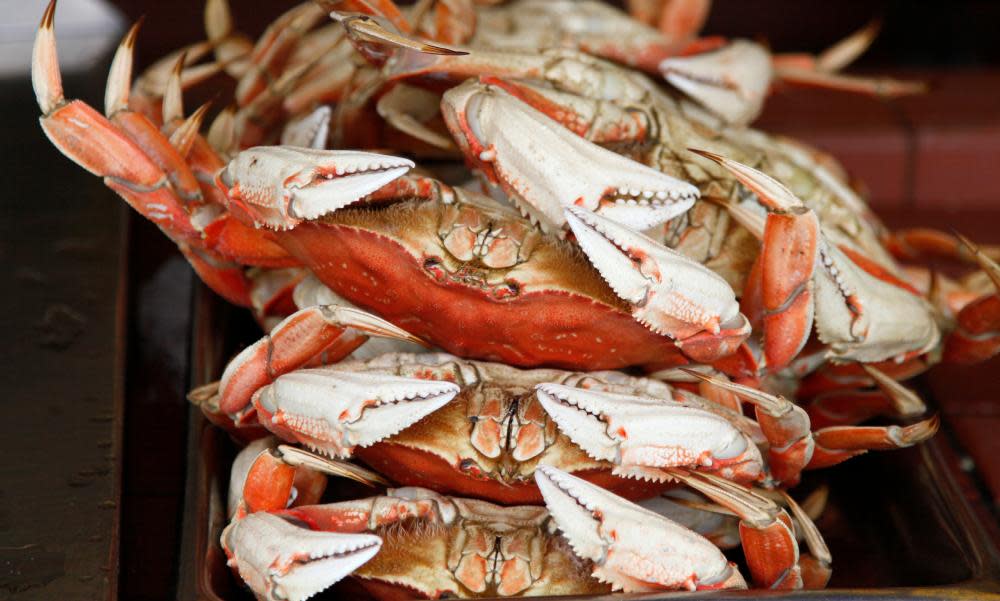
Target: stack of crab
[627,296]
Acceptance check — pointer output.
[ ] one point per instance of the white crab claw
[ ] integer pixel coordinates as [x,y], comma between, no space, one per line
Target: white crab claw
[332,411]
[279,186]
[669,293]
[864,318]
[281,561]
[730,82]
[640,435]
[544,167]
[632,549]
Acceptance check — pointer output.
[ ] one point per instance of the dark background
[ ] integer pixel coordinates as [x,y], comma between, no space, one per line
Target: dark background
[70,479]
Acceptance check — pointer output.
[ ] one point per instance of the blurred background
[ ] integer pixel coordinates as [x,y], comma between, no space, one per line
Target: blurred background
[88,282]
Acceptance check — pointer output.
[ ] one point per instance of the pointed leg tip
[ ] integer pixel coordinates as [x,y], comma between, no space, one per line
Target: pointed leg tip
[923,430]
[48,17]
[133,33]
[718,158]
[46,79]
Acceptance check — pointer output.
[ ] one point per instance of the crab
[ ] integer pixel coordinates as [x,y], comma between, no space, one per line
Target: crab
[284,548]
[730,78]
[482,429]
[485,117]
[298,196]
[465,266]
[863,313]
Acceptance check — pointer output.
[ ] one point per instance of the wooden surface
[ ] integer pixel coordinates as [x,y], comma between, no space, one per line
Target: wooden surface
[60,248]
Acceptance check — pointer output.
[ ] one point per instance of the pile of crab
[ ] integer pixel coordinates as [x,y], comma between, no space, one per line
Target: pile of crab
[626,295]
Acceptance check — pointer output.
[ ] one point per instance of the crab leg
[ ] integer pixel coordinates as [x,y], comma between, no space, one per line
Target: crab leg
[977,335]
[94,143]
[191,168]
[632,548]
[794,446]
[274,48]
[669,293]
[140,129]
[850,407]
[785,425]
[292,343]
[643,436]
[285,476]
[839,443]
[821,71]
[766,531]
[111,152]
[815,566]
[677,19]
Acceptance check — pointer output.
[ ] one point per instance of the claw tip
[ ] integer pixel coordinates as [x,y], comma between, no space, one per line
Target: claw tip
[48,18]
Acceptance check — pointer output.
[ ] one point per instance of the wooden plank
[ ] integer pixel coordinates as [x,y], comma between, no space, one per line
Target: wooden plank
[60,238]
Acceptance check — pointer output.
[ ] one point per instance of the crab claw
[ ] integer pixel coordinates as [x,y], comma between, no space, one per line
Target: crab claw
[332,411]
[544,167]
[632,548]
[730,82]
[642,435]
[280,560]
[668,292]
[279,186]
[301,337]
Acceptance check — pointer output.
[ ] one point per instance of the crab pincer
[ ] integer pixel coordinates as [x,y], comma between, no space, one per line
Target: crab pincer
[334,411]
[544,167]
[281,560]
[643,436]
[632,548]
[668,293]
[278,187]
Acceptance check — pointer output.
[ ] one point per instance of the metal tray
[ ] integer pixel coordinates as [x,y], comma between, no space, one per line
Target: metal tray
[896,523]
